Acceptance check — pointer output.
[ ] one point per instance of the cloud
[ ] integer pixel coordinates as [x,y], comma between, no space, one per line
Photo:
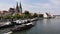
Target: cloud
[20,0]
[52,6]
[56,2]
[5,6]
[17,0]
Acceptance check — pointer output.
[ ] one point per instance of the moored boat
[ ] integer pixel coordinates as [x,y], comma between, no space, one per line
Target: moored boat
[8,32]
[17,22]
[23,27]
[6,25]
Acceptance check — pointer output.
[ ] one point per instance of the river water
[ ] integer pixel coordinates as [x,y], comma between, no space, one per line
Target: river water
[44,26]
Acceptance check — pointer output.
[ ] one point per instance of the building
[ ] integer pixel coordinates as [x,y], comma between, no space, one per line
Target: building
[5,12]
[11,11]
[18,8]
[0,13]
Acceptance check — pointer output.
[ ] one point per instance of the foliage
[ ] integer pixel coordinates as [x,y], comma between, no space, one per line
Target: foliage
[7,16]
[25,15]
[26,12]
[35,15]
[0,16]
[17,16]
[41,15]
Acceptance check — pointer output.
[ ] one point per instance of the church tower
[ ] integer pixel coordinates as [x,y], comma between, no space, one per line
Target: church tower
[17,8]
[20,8]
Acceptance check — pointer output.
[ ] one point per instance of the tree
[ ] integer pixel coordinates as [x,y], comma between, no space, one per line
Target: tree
[26,12]
[7,16]
[35,15]
[17,16]
[1,17]
[41,15]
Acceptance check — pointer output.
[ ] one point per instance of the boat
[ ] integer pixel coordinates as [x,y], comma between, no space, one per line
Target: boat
[8,32]
[12,23]
[23,27]
[17,22]
[6,25]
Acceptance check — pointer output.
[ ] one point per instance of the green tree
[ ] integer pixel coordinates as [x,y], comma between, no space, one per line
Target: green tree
[1,17]
[17,16]
[27,14]
[7,16]
[35,15]
[41,15]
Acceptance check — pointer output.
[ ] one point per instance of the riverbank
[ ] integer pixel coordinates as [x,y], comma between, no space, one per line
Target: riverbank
[16,22]
[44,26]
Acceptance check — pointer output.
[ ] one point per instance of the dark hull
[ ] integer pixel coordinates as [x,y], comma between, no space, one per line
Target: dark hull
[22,28]
[6,26]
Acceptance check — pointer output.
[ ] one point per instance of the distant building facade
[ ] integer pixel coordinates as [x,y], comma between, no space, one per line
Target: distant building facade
[11,11]
[2,13]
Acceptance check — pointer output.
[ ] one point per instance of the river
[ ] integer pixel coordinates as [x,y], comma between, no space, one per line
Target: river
[44,26]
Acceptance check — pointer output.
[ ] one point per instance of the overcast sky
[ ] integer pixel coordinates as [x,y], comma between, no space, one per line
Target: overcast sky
[38,6]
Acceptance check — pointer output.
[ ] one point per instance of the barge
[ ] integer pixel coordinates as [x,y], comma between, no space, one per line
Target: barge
[23,27]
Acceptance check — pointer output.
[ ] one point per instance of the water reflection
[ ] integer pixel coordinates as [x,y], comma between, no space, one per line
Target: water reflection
[51,26]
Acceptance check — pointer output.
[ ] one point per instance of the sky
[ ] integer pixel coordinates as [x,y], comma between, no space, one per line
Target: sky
[34,6]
